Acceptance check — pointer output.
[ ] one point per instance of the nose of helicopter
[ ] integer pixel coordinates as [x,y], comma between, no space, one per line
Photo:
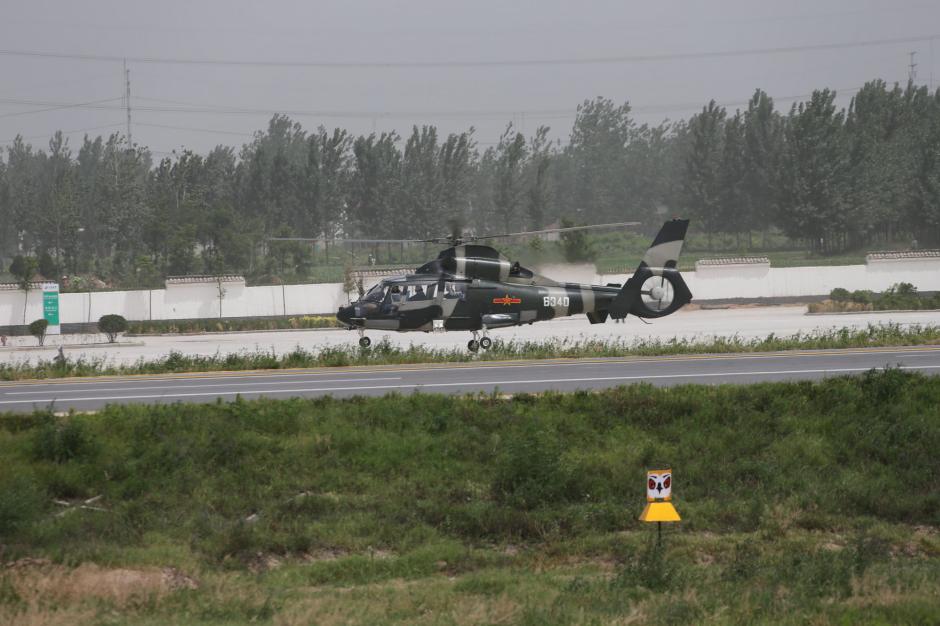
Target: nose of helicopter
[346,313]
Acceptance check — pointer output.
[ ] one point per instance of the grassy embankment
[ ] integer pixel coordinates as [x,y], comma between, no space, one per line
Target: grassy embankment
[385,353]
[801,503]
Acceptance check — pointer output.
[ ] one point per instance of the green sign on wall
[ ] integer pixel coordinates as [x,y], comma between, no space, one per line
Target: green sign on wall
[50,304]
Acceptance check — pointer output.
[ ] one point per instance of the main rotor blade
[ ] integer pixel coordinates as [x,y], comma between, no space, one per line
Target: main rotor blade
[337,240]
[546,231]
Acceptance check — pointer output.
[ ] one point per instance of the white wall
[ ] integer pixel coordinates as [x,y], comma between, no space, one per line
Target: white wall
[708,283]
[200,300]
[11,306]
[741,281]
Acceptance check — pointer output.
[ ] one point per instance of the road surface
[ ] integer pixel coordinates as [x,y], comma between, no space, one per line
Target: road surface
[690,324]
[458,378]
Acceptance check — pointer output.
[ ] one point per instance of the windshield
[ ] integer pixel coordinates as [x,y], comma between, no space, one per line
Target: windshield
[400,292]
[375,294]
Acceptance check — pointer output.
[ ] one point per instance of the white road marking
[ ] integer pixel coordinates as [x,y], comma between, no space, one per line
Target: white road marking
[495,365]
[496,383]
[283,382]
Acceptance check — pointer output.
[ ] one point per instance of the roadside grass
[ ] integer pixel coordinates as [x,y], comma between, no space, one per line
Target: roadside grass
[801,502]
[385,353]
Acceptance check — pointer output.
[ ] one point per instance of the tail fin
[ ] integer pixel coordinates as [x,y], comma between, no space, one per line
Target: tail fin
[656,288]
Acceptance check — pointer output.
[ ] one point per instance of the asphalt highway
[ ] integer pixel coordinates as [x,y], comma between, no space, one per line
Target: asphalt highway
[486,376]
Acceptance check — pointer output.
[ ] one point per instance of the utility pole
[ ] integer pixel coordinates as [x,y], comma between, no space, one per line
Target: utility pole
[912,73]
[931,63]
[127,103]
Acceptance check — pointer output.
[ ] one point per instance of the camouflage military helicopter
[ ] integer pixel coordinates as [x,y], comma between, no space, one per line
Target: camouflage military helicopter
[472,287]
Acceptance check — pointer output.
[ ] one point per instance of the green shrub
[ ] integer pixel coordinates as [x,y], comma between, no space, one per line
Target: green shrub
[529,470]
[38,330]
[61,440]
[839,294]
[862,296]
[650,569]
[112,326]
[20,503]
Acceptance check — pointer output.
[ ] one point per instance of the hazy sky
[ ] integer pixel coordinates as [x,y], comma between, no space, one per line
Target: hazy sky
[450,96]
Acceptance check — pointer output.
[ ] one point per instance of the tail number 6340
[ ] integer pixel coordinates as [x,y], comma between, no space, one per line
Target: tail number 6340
[555,301]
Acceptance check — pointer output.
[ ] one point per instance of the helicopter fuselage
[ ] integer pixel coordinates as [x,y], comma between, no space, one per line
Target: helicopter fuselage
[417,304]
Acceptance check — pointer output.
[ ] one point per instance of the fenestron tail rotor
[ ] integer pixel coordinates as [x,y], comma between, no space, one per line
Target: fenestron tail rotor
[657,293]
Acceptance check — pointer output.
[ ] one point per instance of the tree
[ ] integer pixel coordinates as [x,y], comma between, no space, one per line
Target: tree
[456,164]
[375,194]
[37,329]
[596,182]
[924,210]
[23,269]
[47,266]
[112,326]
[7,235]
[57,212]
[763,144]
[421,183]
[539,194]
[575,244]
[703,185]
[510,156]
[734,206]
[814,174]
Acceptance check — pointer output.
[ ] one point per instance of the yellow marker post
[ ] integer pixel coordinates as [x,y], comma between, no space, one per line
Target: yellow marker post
[659,507]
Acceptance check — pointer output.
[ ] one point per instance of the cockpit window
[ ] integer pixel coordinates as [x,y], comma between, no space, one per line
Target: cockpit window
[375,294]
[518,271]
[455,290]
[391,295]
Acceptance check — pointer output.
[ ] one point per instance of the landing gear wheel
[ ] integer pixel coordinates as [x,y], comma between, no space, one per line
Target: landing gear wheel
[486,343]
[473,345]
[365,342]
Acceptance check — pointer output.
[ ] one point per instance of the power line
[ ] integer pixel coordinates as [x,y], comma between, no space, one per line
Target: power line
[217,108]
[64,132]
[92,104]
[639,58]
[198,130]
[212,109]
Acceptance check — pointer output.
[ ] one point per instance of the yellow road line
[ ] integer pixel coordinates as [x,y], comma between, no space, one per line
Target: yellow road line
[414,367]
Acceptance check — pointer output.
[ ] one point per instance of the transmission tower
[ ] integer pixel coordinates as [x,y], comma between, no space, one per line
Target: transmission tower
[912,68]
[127,103]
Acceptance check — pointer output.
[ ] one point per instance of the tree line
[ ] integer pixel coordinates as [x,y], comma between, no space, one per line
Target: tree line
[831,178]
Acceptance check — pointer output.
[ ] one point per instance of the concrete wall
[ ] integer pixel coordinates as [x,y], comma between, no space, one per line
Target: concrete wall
[11,306]
[719,282]
[201,300]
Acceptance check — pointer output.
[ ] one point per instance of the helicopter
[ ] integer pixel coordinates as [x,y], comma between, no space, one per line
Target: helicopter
[473,287]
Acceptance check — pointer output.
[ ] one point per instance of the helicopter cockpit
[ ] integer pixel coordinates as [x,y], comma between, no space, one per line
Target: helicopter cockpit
[387,296]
